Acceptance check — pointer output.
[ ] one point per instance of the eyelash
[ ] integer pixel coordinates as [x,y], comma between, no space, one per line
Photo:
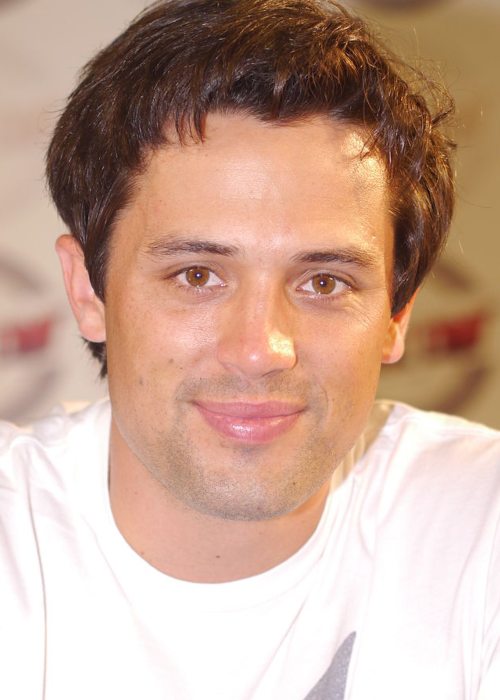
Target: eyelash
[309,277]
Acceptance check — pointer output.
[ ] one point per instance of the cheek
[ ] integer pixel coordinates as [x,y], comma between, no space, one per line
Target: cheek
[348,356]
[150,342]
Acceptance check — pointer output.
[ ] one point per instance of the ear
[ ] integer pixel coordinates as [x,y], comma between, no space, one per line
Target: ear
[394,344]
[87,308]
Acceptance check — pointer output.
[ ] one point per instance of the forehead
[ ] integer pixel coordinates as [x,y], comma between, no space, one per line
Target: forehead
[312,179]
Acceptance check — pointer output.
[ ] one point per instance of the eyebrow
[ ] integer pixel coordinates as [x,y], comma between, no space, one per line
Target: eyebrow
[170,247]
[347,256]
[177,246]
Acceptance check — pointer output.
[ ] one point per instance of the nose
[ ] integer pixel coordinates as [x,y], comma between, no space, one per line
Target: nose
[257,336]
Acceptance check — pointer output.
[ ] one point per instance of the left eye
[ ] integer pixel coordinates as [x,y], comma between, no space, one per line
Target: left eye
[198,277]
[323,284]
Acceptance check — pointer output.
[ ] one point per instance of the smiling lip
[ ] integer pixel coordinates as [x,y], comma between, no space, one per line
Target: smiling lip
[250,422]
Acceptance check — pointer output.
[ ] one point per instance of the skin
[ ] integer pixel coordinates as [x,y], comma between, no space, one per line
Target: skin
[253,267]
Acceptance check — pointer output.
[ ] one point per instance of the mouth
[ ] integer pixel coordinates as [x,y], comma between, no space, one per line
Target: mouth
[254,423]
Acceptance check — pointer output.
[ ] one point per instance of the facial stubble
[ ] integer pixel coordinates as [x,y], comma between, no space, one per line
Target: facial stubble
[223,479]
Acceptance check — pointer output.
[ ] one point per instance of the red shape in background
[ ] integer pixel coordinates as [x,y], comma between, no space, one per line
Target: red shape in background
[19,339]
[460,334]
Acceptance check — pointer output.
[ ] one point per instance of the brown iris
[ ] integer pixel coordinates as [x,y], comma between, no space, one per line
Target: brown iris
[323,284]
[197,276]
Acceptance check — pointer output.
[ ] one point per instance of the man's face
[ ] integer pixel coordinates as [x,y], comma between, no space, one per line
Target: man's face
[248,312]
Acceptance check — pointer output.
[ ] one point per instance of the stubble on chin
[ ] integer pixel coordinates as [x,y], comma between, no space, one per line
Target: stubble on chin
[223,479]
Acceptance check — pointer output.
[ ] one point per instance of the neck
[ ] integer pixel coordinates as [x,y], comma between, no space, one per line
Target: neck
[194,546]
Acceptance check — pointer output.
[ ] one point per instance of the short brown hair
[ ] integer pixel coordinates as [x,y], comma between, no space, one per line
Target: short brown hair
[279,60]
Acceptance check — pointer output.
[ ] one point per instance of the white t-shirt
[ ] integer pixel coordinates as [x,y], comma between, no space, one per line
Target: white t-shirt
[396,596]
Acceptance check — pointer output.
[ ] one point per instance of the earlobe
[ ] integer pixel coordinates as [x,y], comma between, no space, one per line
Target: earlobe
[87,308]
[394,345]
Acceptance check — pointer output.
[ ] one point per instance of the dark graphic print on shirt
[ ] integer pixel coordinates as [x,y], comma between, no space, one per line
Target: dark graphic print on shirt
[332,685]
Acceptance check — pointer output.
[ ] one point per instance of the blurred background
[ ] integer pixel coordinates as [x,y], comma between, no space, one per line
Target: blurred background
[453,357]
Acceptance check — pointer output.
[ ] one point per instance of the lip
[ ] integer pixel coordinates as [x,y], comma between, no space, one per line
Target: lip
[250,422]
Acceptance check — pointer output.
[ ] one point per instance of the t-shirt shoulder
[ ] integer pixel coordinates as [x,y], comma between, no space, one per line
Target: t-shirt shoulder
[400,413]
[63,432]
[447,444]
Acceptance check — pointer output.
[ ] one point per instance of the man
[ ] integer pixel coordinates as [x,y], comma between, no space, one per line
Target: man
[253,197]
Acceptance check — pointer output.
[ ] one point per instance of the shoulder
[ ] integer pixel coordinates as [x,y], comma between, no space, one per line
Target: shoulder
[49,444]
[438,437]
[434,464]
[435,478]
